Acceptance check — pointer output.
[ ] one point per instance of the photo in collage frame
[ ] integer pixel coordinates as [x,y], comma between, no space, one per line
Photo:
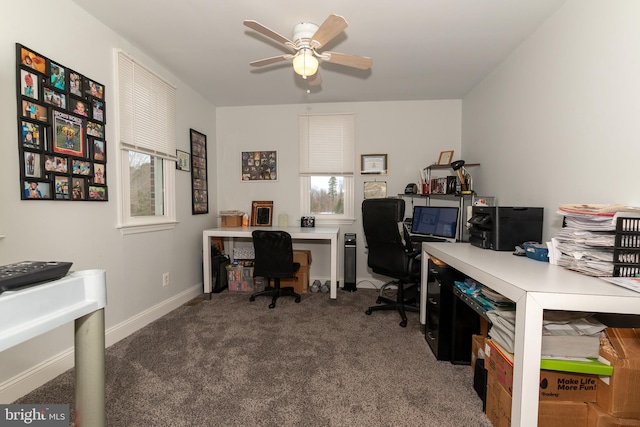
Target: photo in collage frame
[61,131]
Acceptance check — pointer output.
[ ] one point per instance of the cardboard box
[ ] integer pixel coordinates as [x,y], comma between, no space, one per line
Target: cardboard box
[554,385]
[300,281]
[231,220]
[597,417]
[619,395]
[550,413]
[477,350]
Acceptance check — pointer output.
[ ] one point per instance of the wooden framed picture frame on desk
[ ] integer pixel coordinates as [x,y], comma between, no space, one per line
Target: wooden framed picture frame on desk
[261,213]
[445,157]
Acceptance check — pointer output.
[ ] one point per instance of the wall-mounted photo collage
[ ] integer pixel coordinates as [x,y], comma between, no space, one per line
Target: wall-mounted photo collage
[61,131]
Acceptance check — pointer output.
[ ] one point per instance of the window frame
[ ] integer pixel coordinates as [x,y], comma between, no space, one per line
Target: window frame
[347,173]
[127,223]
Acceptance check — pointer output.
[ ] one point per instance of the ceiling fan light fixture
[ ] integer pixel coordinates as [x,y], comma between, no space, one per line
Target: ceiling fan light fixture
[305,63]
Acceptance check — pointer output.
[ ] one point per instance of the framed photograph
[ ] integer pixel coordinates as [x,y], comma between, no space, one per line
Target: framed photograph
[95,129]
[375,189]
[261,213]
[54,98]
[259,165]
[68,134]
[79,107]
[97,110]
[99,174]
[445,157]
[62,187]
[29,84]
[55,164]
[32,165]
[78,188]
[199,186]
[36,190]
[94,89]
[97,192]
[31,135]
[34,111]
[30,59]
[58,77]
[75,83]
[81,167]
[183,162]
[99,150]
[373,164]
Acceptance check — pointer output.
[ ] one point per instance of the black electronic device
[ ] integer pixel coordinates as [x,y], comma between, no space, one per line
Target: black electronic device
[350,262]
[434,224]
[29,273]
[411,188]
[502,228]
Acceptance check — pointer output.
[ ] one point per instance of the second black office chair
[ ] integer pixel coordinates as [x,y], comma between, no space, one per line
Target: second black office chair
[390,254]
[274,260]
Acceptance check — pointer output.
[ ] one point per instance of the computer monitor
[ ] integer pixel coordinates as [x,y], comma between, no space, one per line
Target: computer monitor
[435,221]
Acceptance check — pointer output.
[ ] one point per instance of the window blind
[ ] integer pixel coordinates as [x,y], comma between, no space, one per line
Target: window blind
[327,144]
[147,110]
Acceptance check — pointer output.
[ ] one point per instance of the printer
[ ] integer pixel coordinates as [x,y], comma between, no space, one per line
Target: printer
[502,228]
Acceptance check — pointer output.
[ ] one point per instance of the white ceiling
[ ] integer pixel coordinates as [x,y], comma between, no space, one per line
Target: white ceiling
[421,49]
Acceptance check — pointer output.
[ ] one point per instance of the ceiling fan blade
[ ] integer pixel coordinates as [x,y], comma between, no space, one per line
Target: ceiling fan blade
[315,79]
[355,61]
[269,61]
[267,32]
[331,27]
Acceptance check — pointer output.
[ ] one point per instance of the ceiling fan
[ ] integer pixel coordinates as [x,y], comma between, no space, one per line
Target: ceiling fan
[307,39]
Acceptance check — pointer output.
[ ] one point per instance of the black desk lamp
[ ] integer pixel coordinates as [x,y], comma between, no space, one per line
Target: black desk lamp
[458,166]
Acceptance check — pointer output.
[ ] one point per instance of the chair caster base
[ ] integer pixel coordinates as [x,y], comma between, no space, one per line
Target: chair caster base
[297,299]
[252,299]
[368,312]
[403,323]
[272,305]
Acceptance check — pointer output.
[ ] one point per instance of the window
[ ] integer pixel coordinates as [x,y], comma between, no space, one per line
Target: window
[147,135]
[326,167]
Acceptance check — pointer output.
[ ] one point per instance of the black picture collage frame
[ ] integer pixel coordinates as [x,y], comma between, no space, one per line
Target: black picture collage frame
[61,131]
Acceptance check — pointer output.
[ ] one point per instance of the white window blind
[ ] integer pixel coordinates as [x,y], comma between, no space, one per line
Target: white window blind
[147,110]
[327,144]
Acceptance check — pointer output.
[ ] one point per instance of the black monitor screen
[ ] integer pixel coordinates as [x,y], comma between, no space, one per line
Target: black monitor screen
[438,221]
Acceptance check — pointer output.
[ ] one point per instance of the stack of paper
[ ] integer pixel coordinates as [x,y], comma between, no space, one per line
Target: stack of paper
[564,334]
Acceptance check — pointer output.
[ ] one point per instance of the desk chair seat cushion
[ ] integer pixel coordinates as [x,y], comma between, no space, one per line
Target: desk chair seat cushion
[274,260]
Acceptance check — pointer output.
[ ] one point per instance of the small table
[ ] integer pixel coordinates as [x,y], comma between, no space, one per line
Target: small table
[297,233]
[80,296]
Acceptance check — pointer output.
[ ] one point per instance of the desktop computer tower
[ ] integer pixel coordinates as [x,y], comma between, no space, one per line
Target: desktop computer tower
[350,262]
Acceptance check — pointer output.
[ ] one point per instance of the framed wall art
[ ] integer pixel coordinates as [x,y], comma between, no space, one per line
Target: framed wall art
[261,213]
[61,131]
[199,186]
[373,164]
[184,161]
[259,165]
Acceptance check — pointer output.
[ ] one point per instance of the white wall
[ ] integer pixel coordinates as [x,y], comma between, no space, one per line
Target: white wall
[558,121]
[412,133]
[85,232]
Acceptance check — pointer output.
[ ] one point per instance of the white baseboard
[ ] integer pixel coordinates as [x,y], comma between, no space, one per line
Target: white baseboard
[40,374]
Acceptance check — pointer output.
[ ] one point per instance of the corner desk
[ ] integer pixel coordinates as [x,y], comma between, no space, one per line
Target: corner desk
[534,286]
[297,233]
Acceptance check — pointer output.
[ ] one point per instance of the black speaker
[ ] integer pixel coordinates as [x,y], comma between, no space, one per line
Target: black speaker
[350,262]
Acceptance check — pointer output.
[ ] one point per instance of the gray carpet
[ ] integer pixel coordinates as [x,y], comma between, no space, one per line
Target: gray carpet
[229,362]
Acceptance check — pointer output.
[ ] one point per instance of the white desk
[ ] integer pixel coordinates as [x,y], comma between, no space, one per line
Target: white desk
[81,296]
[297,233]
[534,286]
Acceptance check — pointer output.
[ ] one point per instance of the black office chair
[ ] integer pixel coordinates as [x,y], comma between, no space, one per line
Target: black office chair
[274,260]
[391,254]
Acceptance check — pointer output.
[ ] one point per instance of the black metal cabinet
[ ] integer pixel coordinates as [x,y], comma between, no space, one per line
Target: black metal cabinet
[450,323]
